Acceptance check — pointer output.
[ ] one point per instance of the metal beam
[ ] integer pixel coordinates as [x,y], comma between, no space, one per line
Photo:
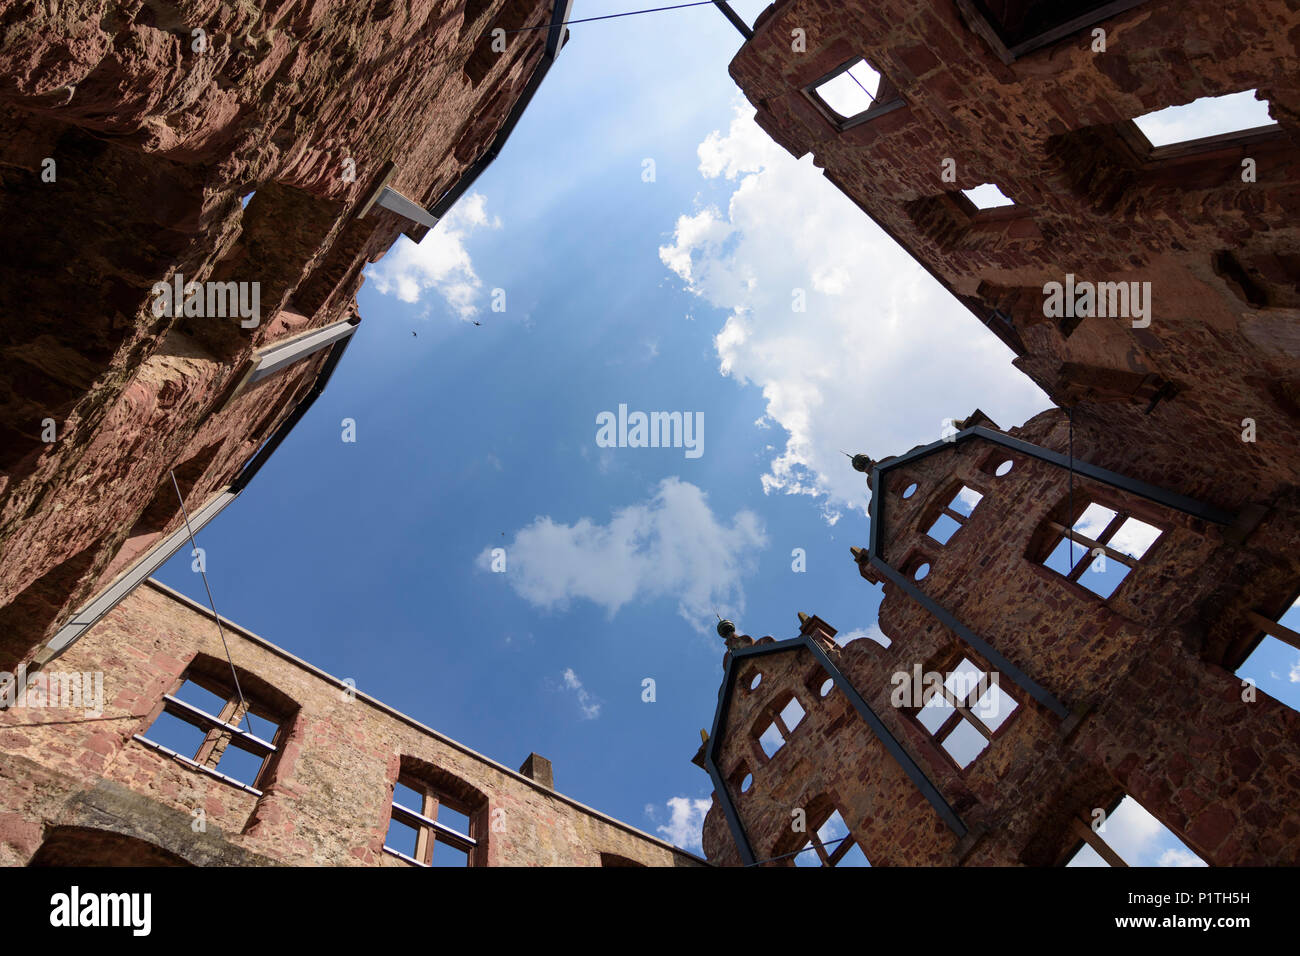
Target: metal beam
[390,198]
[155,558]
[892,745]
[986,650]
[275,357]
[736,21]
[895,749]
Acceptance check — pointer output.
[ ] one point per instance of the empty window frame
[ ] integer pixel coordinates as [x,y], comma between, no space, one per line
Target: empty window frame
[1209,117]
[853,93]
[1144,840]
[1016,27]
[954,514]
[204,724]
[965,713]
[831,844]
[987,196]
[429,828]
[1105,543]
[780,724]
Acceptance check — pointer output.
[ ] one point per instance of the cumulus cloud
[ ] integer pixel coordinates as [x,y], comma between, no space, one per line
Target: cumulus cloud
[671,545]
[588,702]
[1140,840]
[880,356]
[685,826]
[439,262]
[1175,857]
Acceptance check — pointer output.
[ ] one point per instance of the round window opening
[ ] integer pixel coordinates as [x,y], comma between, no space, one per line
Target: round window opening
[909,490]
[746,783]
[1005,467]
[922,571]
[758,679]
[826,687]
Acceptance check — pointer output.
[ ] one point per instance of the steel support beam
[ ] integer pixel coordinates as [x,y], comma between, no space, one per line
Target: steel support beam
[153,559]
[275,357]
[973,640]
[390,198]
[892,745]
[879,476]
[734,18]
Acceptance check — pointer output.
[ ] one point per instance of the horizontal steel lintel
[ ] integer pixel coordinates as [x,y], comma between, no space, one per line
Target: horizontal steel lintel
[391,199]
[155,558]
[275,357]
[453,837]
[240,738]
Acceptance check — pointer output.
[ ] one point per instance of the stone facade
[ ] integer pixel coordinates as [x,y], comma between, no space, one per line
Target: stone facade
[74,790]
[1053,130]
[1144,674]
[130,134]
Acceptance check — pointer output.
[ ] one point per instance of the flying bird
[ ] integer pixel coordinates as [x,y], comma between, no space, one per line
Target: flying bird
[478,323]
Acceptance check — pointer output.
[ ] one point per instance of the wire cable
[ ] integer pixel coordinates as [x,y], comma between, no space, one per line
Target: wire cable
[243,704]
[608,16]
[783,856]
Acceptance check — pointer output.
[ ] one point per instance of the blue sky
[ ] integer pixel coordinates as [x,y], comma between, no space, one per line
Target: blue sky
[670,292]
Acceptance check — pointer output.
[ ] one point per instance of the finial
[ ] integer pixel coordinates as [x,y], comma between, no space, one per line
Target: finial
[725,629]
[862,463]
[803,618]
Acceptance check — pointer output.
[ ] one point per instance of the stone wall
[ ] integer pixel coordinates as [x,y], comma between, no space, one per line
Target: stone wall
[1146,672]
[1163,718]
[1052,129]
[68,781]
[159,120]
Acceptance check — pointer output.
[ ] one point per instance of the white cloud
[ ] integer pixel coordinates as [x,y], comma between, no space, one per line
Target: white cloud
[882,353]
[1175,857]
[670,545]
[439,262]
[1294,675]
[685,826]
[1131,831]
[1208,116]
[586,700]
[873,633]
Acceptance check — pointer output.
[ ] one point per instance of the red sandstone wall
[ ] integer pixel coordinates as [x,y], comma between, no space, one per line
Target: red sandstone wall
[328,800]
[155,144]
[1052,130]
[1166,723]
